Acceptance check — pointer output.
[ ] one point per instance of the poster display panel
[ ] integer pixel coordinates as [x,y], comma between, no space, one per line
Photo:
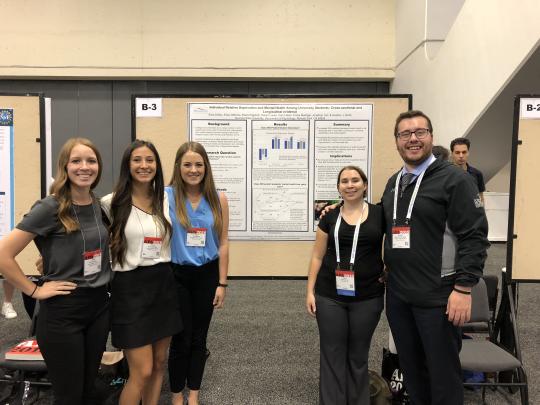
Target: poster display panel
[6,172]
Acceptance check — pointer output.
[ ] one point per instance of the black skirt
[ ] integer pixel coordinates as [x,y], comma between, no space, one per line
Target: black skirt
[144,306]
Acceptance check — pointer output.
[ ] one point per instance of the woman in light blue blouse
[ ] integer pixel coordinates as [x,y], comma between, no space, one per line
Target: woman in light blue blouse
[200,259]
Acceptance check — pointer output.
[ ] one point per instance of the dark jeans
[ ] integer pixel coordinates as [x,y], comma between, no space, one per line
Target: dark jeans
[428,346]
[345,331]
[196,287]
[72,332]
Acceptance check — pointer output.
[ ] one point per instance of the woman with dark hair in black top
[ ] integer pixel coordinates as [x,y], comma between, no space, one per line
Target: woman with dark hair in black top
[344,292]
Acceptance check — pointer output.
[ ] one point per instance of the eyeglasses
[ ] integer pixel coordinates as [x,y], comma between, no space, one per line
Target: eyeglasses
[420,133]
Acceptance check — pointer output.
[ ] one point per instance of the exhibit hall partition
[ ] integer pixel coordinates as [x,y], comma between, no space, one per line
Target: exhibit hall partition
[523,254]
[21,151]
[277,159]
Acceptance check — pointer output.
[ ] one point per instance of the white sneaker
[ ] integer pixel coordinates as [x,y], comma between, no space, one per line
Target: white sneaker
[8,311]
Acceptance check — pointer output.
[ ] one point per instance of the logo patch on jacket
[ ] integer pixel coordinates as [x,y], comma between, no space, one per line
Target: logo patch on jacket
[478,202]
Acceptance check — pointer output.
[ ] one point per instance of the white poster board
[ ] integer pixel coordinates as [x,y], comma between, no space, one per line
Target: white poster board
[278,162]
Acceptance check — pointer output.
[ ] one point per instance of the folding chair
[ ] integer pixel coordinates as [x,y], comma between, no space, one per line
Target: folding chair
[482,353]
[23,374]
[492,287]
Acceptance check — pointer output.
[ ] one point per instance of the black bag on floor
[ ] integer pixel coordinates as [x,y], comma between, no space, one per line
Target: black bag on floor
[113,374]
[392,373]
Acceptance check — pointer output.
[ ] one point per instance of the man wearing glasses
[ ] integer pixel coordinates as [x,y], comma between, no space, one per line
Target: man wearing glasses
[435,248]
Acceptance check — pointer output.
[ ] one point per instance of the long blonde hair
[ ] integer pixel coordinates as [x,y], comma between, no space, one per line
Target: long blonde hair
[61,187]
[208,188]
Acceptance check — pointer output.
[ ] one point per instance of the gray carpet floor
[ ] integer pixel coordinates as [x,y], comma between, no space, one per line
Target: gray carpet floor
[265,349]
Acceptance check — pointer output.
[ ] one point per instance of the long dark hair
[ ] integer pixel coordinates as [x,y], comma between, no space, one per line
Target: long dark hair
[208,188]
[121,201]
[61,186]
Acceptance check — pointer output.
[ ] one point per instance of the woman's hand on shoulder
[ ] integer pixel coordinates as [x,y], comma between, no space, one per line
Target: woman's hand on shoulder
[52,288]
[310,304]
[219,298]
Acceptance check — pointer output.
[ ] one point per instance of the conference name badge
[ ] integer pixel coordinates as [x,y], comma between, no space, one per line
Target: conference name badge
[151,247]
[196,237]
[345,282]
[92,262]
[401,237]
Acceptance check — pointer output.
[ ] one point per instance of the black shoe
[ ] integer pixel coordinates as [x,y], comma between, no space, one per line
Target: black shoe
[207,353]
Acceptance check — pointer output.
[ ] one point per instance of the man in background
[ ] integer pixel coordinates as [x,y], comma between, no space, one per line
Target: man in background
[441,152]
[460,155]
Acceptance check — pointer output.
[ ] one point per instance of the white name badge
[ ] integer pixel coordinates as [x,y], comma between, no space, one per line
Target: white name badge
[345,282]
[196,237]
[151,247]
[401,237]
[92,262]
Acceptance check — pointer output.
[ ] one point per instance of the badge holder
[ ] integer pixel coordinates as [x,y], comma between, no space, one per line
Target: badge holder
[345,278]
[151,248]
[196,237]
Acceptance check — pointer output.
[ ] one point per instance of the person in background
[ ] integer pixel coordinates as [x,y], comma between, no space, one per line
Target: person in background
[441,152]
[144,312]
[7,307]
[460,155]
[344,292]
[434,252]
[200,257]
[67,227]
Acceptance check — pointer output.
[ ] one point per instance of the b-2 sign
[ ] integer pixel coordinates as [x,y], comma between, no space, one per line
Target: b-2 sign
[530,108]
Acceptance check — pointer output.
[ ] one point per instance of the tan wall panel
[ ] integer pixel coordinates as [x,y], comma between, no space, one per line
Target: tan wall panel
[333,39]
[276,258]
[527,194]
[27,165]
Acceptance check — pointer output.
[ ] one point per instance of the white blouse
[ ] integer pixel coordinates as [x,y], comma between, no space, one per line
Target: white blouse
[140,224]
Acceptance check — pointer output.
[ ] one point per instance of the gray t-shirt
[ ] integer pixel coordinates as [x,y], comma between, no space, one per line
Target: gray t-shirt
[63,252]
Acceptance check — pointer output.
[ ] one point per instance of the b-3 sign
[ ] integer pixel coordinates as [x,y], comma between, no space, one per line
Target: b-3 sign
[148,107]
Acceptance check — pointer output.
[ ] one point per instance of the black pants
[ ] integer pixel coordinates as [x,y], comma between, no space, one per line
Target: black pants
[72,332]
[196,287]
[345,331]
[428,346]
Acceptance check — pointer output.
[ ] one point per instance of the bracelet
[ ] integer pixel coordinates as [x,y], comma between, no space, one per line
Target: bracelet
[33,292]
[224,285]
[462,291]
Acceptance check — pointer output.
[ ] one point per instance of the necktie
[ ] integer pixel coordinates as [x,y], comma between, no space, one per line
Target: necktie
[404,182]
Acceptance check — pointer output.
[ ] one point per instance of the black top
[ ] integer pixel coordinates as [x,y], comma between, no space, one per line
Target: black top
[63,252]
[478,177]
[368,265]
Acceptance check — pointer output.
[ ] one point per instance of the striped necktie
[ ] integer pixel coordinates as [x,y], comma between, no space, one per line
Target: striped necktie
[405,181]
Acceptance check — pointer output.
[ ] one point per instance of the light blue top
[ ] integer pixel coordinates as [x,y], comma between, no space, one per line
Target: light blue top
[200,218]
[420,168]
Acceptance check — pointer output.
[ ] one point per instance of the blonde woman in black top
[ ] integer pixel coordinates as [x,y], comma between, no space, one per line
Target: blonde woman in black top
[344,292]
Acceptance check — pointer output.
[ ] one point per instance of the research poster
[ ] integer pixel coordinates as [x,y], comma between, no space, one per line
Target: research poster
[6,172]
[278,163]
